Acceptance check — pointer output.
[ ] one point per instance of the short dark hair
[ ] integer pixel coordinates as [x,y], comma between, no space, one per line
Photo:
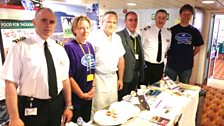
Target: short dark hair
[130,12]
[161,11]
[110,12]
[187,7]
[42,8]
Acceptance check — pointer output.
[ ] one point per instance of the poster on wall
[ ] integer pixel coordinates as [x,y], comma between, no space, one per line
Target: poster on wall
[12,30]
[63,31]
[66,26]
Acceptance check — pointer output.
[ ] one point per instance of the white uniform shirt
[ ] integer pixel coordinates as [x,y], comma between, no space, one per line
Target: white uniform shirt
[26,66]
[150,43]
[107,52]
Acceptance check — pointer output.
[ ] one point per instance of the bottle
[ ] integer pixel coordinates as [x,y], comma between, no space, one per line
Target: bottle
[80,121]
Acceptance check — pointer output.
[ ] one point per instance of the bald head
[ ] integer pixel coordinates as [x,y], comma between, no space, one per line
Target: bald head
[44,22]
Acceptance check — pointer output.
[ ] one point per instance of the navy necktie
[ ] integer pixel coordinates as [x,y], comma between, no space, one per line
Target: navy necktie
[52,78]
[159,53]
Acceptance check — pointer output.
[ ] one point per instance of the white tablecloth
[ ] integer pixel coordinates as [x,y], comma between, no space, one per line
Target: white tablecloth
[182,109]
[176,107]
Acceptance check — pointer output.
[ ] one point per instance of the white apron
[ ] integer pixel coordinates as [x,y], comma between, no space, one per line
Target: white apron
[106,91]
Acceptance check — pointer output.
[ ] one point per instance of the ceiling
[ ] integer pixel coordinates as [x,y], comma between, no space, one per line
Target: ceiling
[140,4]
[143,4]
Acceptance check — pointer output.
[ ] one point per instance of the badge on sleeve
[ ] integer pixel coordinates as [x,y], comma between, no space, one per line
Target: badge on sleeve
[167,40]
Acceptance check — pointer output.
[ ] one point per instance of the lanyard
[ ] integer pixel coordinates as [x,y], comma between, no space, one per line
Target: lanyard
[80,45]
[135,47]
[88,58]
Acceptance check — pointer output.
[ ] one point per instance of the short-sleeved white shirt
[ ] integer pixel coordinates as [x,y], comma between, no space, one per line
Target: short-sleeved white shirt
[150,43]
[26,66]
[107,52]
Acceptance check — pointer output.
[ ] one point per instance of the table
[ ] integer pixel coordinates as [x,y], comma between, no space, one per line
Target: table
[182,109]
[171,106]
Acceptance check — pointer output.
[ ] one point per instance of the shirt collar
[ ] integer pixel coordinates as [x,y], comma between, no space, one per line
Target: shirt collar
[104,33]
[158,28]
[132,34]
[40,41]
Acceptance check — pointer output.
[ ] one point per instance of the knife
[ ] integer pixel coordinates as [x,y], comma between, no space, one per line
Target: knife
[143,102]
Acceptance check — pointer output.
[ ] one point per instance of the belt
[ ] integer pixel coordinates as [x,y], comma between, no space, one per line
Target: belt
[148,63]
[26,98]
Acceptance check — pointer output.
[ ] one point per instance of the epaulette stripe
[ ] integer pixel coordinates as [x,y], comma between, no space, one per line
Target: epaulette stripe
[60,43]
[19,39]
[146,28]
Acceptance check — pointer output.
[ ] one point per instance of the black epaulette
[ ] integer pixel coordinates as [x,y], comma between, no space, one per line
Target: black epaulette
[60,43]
[146,28]
[19,39]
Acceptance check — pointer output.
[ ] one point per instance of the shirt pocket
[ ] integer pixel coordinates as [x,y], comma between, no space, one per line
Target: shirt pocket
[149,42]
[62,69]
[32,66]
[167,44]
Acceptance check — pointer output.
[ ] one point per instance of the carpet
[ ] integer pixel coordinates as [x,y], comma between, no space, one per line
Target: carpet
[219,69]
[213,108]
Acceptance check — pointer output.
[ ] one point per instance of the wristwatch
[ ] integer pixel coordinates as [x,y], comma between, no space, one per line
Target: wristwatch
[70,107]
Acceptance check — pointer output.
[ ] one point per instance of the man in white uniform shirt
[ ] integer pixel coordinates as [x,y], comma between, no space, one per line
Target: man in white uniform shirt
[109,53]
[152,36]
[26,68]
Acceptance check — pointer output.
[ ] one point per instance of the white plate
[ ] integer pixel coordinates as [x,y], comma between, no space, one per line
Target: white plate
[101,118]
[125,109]
[71,124]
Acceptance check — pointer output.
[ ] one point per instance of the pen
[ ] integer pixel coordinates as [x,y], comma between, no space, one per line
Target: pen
[130,98]
[158,103]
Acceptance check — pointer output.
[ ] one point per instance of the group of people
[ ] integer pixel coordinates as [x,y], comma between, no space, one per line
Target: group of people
[94,69]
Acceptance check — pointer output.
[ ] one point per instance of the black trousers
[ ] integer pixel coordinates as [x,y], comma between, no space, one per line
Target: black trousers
[49,112]
[153,72]
[84,111]
[130,86]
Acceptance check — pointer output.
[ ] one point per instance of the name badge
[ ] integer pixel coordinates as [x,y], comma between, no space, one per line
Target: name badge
[136,56]
[30,111]
[89,77]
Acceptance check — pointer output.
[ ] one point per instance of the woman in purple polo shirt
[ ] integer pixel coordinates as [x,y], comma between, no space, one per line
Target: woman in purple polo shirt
[82,68]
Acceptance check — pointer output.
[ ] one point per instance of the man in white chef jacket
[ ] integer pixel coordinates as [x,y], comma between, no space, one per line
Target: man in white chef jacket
[109,53]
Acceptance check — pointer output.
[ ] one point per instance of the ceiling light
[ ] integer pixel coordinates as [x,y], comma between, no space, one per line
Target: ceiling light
[131,4]
[208,1]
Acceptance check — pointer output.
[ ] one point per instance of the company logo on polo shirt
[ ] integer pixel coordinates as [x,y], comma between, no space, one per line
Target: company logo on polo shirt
[88,61]
[183,38]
